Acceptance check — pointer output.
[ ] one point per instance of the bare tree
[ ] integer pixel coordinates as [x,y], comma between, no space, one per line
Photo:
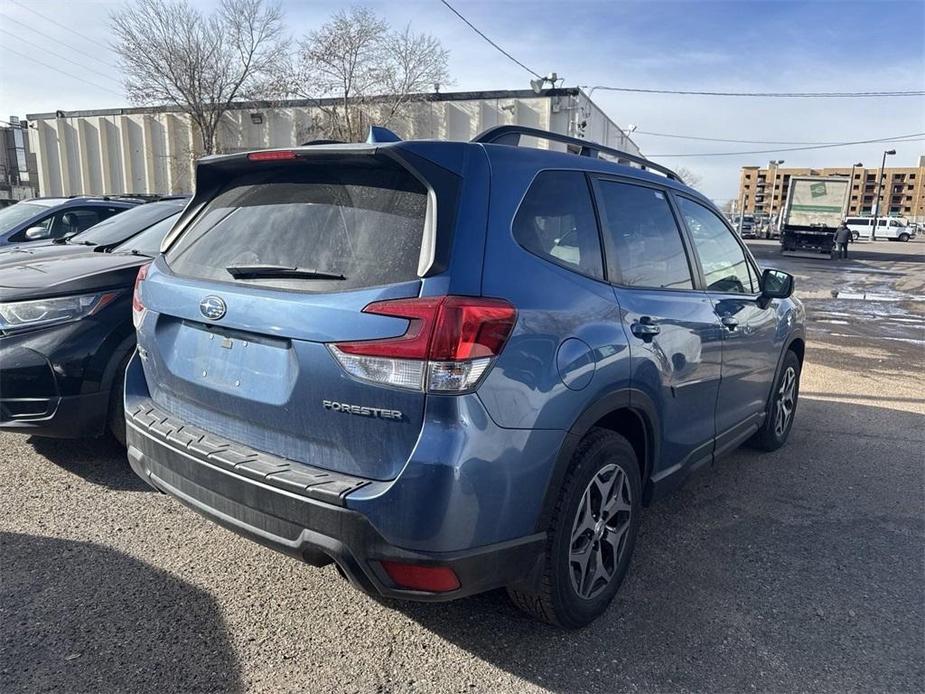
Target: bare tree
[172,53]
[358,69]
[689,177]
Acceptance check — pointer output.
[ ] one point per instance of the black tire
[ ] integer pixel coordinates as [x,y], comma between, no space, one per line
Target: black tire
[771,435]
[557,600]
[116,415]
[855,235]
[904,237]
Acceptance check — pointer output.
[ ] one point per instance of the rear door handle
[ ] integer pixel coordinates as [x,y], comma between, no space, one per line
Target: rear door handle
[730,322]
[645,329]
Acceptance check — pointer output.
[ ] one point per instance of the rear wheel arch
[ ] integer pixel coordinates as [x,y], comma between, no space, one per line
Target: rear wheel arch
[628,412]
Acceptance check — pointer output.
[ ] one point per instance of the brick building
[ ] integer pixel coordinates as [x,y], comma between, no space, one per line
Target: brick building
[763,190]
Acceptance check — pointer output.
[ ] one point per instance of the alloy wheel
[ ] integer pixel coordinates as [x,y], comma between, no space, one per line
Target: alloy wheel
[600,531]
[786,401]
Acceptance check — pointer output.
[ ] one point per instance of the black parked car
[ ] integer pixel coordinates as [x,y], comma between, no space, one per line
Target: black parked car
[66,335]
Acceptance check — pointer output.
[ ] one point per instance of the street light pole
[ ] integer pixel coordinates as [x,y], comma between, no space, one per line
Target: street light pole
[873,229]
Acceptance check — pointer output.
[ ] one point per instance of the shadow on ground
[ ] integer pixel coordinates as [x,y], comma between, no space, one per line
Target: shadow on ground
[80,617]
[99,461]
[796,570]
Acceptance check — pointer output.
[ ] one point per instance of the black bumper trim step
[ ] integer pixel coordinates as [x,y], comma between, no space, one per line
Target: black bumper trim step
[304,480]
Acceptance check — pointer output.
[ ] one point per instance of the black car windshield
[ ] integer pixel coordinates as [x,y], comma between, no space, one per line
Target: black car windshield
[148,242]
[14,215]
[126,224]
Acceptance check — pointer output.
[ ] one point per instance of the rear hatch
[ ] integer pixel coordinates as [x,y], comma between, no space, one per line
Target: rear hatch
[275,262]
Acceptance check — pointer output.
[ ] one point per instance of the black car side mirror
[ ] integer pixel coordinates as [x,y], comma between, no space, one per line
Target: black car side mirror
[776,284]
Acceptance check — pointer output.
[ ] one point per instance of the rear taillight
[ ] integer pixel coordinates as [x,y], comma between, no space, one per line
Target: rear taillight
[447,347]
[138,307]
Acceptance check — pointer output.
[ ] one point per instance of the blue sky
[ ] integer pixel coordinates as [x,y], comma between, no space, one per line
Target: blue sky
[732,46]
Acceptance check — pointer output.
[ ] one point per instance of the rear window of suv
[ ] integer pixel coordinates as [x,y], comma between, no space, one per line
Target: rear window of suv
[360,223]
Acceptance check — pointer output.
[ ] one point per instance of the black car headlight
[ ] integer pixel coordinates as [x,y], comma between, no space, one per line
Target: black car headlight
[17,315]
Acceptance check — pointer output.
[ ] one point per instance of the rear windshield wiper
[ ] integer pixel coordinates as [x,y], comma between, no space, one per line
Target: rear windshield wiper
[255,271]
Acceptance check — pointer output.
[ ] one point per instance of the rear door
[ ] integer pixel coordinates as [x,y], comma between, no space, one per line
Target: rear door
[750,351]
[674,333]
[240,347]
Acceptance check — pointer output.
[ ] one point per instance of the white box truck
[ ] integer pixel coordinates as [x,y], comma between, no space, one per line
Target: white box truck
[815,207]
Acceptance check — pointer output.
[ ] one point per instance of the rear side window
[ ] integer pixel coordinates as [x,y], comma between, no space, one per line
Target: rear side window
[363,223]
[556,221]
[643,242]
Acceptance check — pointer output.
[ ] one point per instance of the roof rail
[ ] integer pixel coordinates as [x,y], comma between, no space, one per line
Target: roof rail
[511,134]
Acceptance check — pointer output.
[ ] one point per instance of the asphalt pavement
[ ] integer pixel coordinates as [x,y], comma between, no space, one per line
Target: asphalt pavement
[798,570]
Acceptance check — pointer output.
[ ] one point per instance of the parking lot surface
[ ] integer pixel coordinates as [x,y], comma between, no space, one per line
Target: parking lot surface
[798,570]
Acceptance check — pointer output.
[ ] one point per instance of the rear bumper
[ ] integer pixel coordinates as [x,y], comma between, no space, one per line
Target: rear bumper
[790,240]
[301,511]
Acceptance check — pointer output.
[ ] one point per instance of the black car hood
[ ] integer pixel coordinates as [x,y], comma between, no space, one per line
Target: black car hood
[17,255]
[71,274]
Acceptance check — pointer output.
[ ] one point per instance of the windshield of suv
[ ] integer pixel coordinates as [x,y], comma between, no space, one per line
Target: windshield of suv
[313,228]
[15,215]
[148,242]
[126,224]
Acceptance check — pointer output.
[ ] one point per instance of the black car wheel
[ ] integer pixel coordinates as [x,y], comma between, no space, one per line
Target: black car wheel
[783,404]
[591,536]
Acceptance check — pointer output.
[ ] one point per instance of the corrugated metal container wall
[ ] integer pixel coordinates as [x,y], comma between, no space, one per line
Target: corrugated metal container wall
[150,150]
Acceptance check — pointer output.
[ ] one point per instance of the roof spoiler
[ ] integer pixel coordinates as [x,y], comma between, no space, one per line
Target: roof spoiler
[379,135]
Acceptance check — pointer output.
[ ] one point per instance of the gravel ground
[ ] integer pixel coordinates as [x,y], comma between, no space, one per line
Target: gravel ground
[797,570]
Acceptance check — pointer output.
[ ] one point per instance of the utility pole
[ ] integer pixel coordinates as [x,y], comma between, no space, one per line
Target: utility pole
[873,229]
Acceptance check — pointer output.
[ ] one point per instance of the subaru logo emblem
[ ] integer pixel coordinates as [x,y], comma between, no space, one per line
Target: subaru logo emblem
[212,307]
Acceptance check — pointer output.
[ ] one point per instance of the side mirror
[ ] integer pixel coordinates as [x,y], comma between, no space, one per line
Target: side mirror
[776,284]
[36,233]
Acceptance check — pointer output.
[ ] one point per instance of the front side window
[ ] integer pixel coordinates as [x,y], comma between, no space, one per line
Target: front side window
[725,267]
[642,239]
[556,222]
[76,220]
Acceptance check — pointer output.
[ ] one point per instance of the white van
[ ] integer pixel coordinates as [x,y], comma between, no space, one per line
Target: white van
[888,228]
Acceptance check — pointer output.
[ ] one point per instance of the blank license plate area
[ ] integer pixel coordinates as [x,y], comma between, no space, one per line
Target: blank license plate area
[248,366]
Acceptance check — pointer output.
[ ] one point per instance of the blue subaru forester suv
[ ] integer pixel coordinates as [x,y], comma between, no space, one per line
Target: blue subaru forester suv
[449,367]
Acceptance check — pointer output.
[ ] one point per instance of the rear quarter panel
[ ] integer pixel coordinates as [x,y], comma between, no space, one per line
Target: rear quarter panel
[525,389]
